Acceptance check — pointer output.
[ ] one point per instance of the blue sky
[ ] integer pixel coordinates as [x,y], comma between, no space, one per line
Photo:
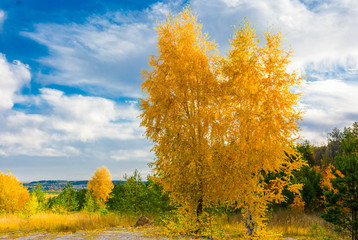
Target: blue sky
[70,75]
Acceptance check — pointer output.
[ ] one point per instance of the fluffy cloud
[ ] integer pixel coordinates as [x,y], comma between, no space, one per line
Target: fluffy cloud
[133,155]
[13,76]
[105,55]
[89,118]
[68,120]
[61,122]
[322,34]
[317,30]
[328,104]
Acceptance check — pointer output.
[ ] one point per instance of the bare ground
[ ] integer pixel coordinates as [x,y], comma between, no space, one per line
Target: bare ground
[114,233]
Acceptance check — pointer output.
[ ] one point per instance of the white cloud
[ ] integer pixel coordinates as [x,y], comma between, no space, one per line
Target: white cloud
[62,121]
[69,119]
[13,76]
[326,31]
[323,37]
[105,54]
[328,104]
[133,155]
[90,118]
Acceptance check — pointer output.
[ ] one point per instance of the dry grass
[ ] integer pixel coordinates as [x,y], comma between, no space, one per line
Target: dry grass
[294,223]
[51,194]
[52,222]
[301,225]
[284,222]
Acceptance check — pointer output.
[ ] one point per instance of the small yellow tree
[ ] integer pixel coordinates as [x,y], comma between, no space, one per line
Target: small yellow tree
[101,184]
[13,195]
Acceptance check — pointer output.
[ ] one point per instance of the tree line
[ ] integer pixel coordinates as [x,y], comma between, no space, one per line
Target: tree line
[132,196]
[329,188]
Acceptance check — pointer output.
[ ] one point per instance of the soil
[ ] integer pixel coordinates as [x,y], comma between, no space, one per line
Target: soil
[114,233]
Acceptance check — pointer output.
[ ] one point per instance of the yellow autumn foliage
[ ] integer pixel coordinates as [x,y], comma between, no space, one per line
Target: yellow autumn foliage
[298,204]
[180,93]
[219,125]
[13,195]
[101,184]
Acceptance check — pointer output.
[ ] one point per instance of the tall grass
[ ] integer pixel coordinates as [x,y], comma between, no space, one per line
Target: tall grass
[283,222]
[302,225]
[53,222]
[292,223]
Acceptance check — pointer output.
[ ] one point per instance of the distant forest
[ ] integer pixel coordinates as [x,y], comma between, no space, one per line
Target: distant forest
[58,185]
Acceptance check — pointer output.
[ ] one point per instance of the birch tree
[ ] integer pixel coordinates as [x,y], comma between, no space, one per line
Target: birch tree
[101,184]
[218,125]
[259,121]
[178,108]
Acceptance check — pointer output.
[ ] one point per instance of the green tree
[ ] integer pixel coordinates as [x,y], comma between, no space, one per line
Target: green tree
[66,201]
[89,204]
[320,156]
[39,193]
[333,147]
[157,202]
[115,201]
[32,207]
[310,177]
[342,201]
[134,193]
[81,198]
[307,152]
[134,196]
[312,192]
[355,129]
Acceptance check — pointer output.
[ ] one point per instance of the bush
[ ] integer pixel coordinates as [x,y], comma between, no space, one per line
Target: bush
[13,195]
[66,201]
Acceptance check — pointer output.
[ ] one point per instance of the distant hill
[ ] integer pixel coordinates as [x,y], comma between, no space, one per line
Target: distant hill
[58,185]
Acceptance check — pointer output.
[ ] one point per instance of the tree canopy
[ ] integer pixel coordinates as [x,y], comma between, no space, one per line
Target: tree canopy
[13,195]
[101,184]
[219,124]
[342,199]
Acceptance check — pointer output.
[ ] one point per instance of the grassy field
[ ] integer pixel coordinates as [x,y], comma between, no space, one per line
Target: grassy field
[53,222]
[283,224]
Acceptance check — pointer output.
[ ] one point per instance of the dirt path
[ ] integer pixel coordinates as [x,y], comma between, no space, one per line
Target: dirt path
[115,233]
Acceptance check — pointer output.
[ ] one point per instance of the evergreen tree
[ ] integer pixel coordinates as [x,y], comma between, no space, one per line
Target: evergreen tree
[156,201]
[81,198]
[342,200]
[66,201]
[90,204]
[134,193]
[306,150]
[115,201]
